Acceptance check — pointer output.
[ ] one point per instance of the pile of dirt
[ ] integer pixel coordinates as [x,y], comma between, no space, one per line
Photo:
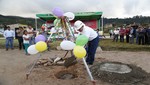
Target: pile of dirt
[131,77]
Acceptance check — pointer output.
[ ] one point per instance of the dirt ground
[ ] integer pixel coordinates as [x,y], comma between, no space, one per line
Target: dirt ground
[14,64]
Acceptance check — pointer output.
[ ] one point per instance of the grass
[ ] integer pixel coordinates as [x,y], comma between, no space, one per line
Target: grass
[106,45]
[2,43]
[1,35]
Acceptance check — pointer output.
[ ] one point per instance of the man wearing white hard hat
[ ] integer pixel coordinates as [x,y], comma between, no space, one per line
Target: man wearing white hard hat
[93,40]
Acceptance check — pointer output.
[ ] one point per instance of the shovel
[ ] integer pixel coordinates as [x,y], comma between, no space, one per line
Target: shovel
[69,61]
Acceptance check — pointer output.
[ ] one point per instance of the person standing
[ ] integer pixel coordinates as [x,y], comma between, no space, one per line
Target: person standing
[116,34]
[131,36]
[141,36]
[148,35]
[137,35]
[111,33]
[9,36]
[93,40]
[121,33]
[127,32]
[26,38]
[19,37]
[30,31]
[145,35]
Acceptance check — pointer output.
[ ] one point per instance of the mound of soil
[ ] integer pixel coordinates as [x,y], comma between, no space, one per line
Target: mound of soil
[134,76]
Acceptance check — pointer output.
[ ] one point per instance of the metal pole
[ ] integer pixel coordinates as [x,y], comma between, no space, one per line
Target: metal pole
[36,24]
[69,27]
[29,72]
[88,70]
[102,25]
[89,73]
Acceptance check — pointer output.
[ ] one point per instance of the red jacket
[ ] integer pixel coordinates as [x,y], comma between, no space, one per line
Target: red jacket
[122,31]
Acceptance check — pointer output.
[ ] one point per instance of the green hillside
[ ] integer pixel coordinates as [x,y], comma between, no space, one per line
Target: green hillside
[6,20]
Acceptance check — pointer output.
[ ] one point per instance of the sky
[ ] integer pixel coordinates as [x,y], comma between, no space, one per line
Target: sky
[110,8]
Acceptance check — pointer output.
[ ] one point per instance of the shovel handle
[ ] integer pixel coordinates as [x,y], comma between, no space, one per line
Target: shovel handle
[34,63]
[27,76]
[88,70]
[65,54]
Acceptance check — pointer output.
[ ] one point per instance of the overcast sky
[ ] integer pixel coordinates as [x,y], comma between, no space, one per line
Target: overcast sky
[110,8]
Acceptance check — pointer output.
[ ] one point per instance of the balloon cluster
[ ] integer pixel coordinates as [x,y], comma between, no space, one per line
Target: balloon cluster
[40,45]
[79,50]
[77,47]
[59,14]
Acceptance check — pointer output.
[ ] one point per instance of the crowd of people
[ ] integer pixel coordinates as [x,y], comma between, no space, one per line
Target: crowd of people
[24,35]
[131,34]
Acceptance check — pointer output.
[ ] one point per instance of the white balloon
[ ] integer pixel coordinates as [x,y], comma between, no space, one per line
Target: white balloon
[32,50]
[70,15]
[67,45]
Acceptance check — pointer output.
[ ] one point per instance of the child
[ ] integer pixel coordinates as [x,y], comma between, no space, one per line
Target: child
[26,41]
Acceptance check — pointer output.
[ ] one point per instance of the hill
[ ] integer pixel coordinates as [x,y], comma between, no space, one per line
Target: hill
[143,20]
[6,20]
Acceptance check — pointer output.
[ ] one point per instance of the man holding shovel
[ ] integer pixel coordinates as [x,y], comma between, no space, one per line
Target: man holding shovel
[93,40]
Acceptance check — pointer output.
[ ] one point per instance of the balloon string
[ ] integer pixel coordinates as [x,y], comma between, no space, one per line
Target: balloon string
[65,27]
[70,29]
[62,26]
[57,23]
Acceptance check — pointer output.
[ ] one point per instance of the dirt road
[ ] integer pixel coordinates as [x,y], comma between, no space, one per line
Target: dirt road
[14,65]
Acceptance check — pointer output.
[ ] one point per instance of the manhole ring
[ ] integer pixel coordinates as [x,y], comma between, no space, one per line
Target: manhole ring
[118,73]
[115,67]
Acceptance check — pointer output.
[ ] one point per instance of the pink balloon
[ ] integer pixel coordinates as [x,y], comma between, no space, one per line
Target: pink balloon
[57,12]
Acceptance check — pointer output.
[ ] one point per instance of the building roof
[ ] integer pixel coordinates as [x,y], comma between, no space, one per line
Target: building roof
[78,16]
[13,26]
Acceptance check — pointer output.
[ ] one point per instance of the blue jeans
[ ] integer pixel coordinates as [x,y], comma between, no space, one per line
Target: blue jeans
[91,50]
[115,38]
[131,39]
[31,40]
[121,38]
[137,38]
[9,42]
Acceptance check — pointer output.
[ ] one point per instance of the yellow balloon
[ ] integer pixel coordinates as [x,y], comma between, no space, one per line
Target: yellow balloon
[79,51]
[41,46]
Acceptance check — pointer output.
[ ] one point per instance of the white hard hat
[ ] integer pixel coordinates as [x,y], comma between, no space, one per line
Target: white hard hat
[78,24]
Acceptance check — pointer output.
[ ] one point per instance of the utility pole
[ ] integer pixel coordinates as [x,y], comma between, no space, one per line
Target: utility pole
[102,24]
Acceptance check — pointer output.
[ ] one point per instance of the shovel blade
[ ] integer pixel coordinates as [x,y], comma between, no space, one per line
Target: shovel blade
[70,61]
